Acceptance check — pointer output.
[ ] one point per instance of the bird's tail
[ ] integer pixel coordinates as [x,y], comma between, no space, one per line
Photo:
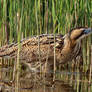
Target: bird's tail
[8,51]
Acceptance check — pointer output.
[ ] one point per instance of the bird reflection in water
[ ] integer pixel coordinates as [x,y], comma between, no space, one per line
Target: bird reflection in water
[29,86]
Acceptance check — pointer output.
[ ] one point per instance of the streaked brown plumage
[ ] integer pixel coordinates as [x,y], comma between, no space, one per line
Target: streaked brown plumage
[66,48]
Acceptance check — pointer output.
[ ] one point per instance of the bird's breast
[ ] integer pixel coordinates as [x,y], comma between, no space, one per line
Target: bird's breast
[67,54]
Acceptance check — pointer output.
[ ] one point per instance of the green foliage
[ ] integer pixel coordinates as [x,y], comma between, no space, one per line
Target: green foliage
[62,14]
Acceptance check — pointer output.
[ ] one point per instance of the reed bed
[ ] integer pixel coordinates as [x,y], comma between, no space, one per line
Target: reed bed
[23,18]
[42,16]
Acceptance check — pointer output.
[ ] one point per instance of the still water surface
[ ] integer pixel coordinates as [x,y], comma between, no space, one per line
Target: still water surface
[65,81]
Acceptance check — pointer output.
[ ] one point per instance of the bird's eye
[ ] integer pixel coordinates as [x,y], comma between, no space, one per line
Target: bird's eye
[84,32]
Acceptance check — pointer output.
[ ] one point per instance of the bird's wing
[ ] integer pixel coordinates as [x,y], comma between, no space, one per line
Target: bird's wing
[33,48]
[42,39]
[41,47]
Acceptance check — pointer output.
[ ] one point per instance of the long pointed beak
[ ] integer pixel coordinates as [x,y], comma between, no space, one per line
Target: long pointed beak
[87,31]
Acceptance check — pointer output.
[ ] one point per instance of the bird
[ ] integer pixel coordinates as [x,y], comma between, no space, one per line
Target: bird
[44,49]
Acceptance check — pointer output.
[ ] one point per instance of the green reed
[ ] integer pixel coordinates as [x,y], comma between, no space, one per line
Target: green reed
[54,20]
[19,20]
[67,14]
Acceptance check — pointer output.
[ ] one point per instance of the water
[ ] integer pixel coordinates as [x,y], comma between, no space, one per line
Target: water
[65,81]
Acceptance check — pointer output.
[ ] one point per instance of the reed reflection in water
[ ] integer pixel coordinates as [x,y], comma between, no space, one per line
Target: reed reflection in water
[65,82]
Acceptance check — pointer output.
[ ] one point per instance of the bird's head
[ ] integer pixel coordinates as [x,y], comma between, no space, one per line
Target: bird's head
[78,33]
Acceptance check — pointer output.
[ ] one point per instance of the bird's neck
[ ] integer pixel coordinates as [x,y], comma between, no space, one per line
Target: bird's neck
[69,43]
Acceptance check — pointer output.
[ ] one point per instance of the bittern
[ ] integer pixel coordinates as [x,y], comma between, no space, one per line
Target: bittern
[47,48]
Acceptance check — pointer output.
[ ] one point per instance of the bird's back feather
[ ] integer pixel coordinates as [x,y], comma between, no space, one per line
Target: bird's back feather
[34,48]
